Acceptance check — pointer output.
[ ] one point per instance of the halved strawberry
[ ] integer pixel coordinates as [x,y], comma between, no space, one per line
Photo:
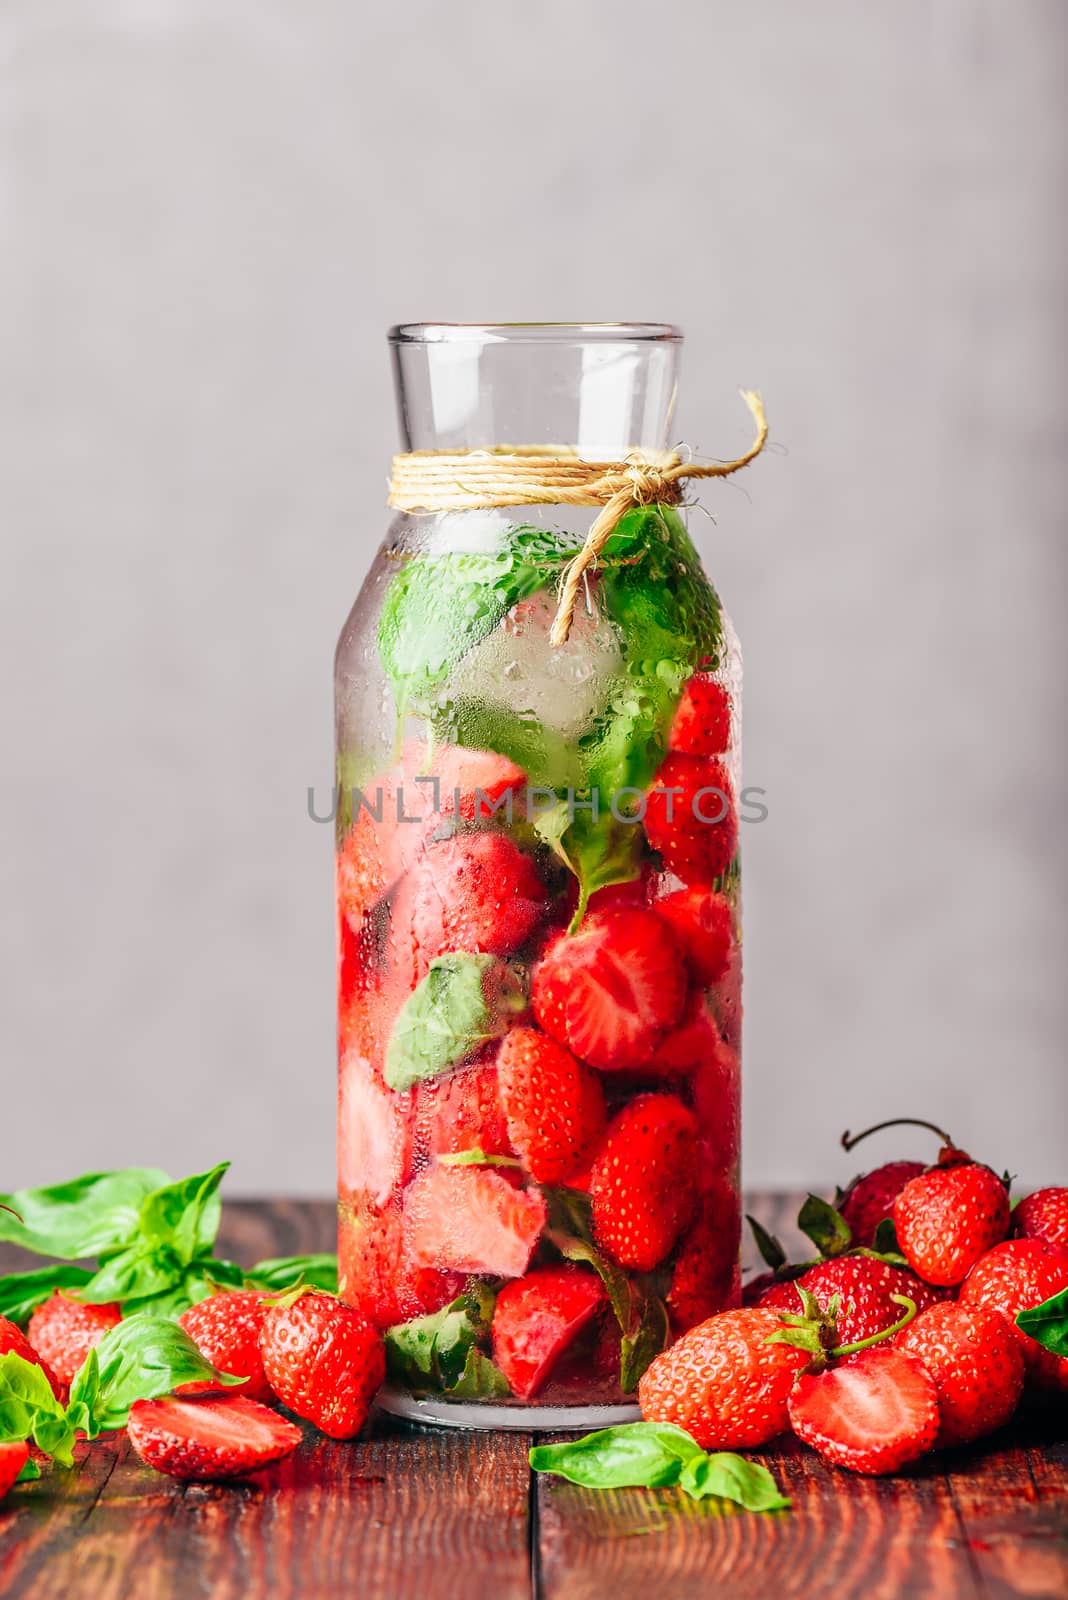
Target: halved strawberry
[873,1413]
[373,1133]
[13,1457]
[470,1219]
[702,725]
[377,1273]
[537,1317]
[463,1111]
[703,923]
[554,1104]
[209,1438]
[691,819]
[476,892]
[695,1050]
[610,991]
[644,1182]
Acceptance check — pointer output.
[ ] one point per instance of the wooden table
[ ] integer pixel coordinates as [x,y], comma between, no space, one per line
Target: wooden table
[408,1512]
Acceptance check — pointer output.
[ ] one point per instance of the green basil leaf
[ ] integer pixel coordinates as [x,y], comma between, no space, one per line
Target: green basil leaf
[434,1352]
[600,850]
[85,1217]
[29,1409]
[732,1477]
[480,1379]
[771,1251]
[30,1472]
[22,1292]
[141,1358]
[639,1347]
[438,606]
[137,1273]
[826,1227]
[646,1455]
[462,1003]
[1047,1323]
[282,1272]
[184,1217]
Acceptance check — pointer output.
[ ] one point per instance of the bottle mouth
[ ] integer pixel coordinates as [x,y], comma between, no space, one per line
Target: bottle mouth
[534,333]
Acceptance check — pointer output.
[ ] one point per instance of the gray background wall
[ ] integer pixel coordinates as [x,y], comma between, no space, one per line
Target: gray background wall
[211,209]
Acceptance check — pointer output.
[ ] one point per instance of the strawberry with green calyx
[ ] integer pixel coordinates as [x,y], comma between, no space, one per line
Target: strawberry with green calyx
[873,1413]
[946,1217]
[323,1360]
[867,1291]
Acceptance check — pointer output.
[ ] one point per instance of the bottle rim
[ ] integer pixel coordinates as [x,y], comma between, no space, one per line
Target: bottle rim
[404,333]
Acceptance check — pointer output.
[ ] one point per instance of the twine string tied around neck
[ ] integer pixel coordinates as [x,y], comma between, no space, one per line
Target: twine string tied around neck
[476,480]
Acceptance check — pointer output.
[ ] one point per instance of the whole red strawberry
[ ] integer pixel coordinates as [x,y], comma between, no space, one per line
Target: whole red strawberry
[702,724]
[1013,1277]
[536,1319]
[324,1361]
[612,990]
[690,817]
[874,1412]
[13,1457]
[14,1342]
[209,1438]
[705,1276]
[226,1330]
[1043,1215]
[63,1331]
[948,1217]
[554,1104]
[703,923]
[723,1382]
[643,1186]
[976,1363]
[869,1199]
[864,1286]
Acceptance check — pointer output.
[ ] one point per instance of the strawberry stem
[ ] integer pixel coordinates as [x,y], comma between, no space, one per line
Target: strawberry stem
[850,1139]
[887,1333]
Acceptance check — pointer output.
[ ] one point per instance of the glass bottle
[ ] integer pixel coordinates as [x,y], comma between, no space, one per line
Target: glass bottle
[539,999]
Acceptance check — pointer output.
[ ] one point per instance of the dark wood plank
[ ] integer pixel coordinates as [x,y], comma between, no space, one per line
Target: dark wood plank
[1011,1495]
[873,1539]
[393,1515]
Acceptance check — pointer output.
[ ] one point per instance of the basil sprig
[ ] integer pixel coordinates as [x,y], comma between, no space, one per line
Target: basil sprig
[153,1241]
[441,1353]
[655,1455]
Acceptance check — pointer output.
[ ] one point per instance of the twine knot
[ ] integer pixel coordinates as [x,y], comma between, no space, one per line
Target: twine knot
[526,475]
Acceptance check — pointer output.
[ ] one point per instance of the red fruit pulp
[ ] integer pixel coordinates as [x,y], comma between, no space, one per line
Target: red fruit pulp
[536,1319]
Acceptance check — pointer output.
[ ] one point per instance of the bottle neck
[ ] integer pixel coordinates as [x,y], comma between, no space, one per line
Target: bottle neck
[603,389]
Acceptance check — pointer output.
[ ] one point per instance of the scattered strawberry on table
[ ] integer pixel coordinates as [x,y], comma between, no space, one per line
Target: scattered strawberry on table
[856,1351]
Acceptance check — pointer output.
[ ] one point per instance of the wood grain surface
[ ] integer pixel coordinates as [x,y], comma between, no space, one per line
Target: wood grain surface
[409,1512]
